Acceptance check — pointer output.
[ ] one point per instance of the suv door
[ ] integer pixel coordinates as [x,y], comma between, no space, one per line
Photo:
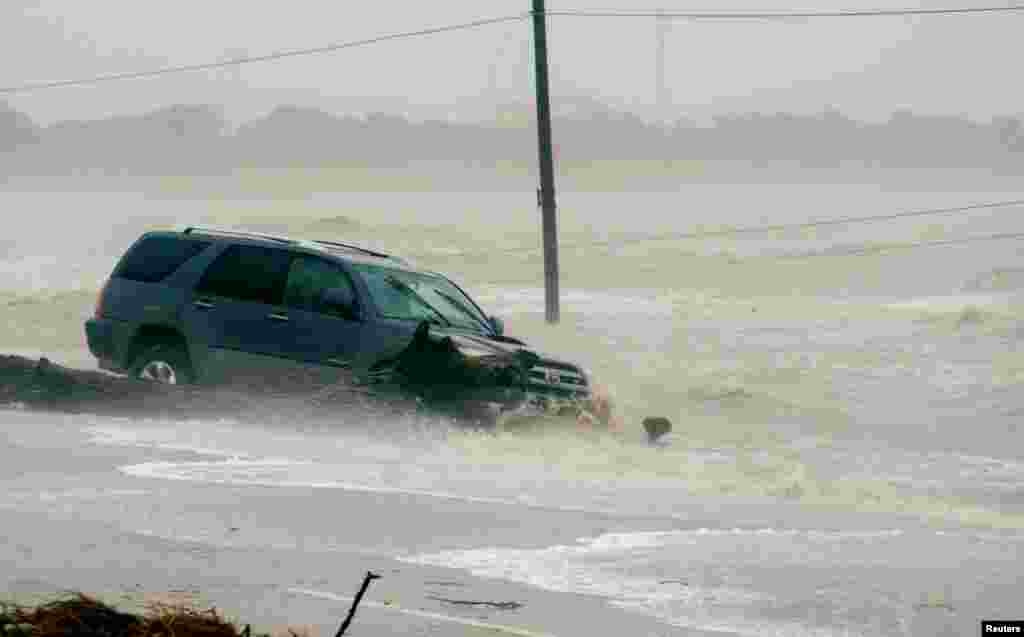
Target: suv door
[322,334]
[235,320]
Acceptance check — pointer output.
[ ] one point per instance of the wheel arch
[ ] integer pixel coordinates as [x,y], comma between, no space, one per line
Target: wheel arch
[149,335]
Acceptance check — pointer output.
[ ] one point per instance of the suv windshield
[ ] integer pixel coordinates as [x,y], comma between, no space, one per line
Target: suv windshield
[401,294]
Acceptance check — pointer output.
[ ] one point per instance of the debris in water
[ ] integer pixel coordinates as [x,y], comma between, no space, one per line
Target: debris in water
[370,576]
[462,602]
[656,427]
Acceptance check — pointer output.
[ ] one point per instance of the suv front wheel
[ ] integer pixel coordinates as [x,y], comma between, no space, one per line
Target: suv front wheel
[167,364]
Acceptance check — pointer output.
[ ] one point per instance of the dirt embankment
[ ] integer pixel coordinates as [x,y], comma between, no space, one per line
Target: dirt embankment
[43,385]
[84,616]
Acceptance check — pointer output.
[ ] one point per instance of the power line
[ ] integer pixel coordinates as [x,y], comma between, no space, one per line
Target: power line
[260,58]
[789,15]
[822,222]
[1002,236]
[865,251]
[10,90]
[798,226]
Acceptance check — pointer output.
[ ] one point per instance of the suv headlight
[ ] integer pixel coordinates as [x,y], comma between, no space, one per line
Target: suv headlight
[474,352]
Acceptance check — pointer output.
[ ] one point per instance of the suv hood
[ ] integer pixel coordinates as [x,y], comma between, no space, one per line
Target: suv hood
[478,344]
[475,345]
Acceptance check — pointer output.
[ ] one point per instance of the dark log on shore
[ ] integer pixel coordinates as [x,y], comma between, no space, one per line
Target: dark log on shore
[43,385]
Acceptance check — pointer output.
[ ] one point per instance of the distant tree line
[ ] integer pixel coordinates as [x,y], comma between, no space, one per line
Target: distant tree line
[196,140]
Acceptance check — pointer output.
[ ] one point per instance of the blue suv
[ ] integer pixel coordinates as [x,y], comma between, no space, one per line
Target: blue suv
[208,306]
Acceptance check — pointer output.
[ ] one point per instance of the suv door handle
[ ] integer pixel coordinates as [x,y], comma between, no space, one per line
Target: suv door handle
[274,316]
[339,362]
[202,304]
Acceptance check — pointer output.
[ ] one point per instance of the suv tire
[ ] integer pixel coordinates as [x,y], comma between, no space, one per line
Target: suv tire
[167,364]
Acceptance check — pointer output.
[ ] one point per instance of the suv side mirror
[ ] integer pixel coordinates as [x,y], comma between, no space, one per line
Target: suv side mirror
[342,299]
[497,324]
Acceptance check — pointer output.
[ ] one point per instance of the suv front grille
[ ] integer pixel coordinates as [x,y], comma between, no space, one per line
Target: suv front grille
[557,379]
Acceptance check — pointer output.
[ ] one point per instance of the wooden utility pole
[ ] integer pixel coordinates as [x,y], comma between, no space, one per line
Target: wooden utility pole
[547,167]
[660,88]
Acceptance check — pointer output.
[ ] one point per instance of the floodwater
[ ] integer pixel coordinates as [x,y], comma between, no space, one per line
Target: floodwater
[846,458]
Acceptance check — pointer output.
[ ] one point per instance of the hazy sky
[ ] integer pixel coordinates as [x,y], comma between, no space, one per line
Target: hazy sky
[866,67]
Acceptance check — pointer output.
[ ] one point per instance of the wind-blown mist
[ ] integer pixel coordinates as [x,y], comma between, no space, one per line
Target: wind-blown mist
[197,141]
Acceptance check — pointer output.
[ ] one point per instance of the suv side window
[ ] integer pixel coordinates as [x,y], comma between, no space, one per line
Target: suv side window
[308,277]
[247,273]
[153,259]
[390,301]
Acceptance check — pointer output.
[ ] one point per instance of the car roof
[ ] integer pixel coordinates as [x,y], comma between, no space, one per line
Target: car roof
[349,252]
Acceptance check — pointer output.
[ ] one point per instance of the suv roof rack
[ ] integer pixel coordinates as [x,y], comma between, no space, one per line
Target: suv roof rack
[359,249]
[236,233]
[280,239]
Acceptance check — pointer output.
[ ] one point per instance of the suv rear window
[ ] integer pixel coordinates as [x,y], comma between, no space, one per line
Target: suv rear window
[155,258]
